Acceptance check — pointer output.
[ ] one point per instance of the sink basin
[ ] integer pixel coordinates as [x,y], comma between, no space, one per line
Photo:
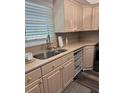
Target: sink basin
[49,54]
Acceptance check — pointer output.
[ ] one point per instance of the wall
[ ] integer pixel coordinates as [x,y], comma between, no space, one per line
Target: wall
[72,37]
[89,36]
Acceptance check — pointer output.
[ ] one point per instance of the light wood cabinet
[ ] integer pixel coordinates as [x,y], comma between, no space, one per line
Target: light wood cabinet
[66,16]
[52,77]
[79,18]
[35,87]
[87,17]
[95,18]
[88,57]
[69,10]
[67,73]
[32,76]
[60,76]
[71,16]
[52,82]
[56,80]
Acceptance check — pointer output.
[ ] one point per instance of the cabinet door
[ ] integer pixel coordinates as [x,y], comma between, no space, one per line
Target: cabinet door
[35,89]
[75,17]
[52,82]
[87,17]
[79,18]
[67,11]
[95,18]
[67,73]
[88,57]
[69,15]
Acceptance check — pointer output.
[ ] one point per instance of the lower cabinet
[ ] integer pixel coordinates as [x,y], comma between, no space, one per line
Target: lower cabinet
[56,80]
[88,57]
[52,77]
[35,87]
[52,81]
[67,73]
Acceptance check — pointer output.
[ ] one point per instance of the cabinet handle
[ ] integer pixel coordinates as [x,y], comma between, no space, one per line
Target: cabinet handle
[29,79]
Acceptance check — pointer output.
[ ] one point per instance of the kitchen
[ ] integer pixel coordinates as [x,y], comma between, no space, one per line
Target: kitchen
[62,46]
[52,46]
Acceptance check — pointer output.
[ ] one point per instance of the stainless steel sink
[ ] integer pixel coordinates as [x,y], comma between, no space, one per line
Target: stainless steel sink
[49,54]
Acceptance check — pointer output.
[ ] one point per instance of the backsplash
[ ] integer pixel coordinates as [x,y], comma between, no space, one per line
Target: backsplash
[89,36]
[72,38]
[80,36]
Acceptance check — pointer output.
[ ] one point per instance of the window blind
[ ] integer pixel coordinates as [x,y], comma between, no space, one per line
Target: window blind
[38,22]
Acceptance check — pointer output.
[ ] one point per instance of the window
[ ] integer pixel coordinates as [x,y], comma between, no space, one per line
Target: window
[38,24]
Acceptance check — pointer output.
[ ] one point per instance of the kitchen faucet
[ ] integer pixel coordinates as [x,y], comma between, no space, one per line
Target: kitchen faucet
[48,42]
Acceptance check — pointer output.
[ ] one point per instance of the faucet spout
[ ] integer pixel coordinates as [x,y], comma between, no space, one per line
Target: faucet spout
[48,42]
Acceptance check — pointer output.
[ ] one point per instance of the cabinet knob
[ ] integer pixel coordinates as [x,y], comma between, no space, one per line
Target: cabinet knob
[29,79]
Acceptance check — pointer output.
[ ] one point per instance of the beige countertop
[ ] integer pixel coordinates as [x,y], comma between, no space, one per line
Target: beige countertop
[70,48]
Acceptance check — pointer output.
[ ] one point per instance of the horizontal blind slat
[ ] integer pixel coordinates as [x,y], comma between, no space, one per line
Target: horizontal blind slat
[38,21]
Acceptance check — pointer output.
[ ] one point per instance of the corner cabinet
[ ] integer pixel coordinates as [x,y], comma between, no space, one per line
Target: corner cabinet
[88,57]
[90,17]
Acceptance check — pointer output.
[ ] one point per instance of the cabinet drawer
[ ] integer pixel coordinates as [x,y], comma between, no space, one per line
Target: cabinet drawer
[35,87]
[51,66]
[68,57]
[32,76]
[54,64]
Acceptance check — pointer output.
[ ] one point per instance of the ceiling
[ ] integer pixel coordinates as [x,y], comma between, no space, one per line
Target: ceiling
[88,1]
[93,1]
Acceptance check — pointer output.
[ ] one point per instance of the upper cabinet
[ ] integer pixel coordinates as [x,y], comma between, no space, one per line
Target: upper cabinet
[68,20]
[95,18]
[72,16]
[87,17]
[79,18]
[66,15]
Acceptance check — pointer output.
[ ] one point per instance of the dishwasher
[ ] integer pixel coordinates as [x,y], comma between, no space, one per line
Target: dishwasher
[77,61]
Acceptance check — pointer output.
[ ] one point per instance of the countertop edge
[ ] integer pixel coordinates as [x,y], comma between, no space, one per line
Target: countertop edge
[38,63]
